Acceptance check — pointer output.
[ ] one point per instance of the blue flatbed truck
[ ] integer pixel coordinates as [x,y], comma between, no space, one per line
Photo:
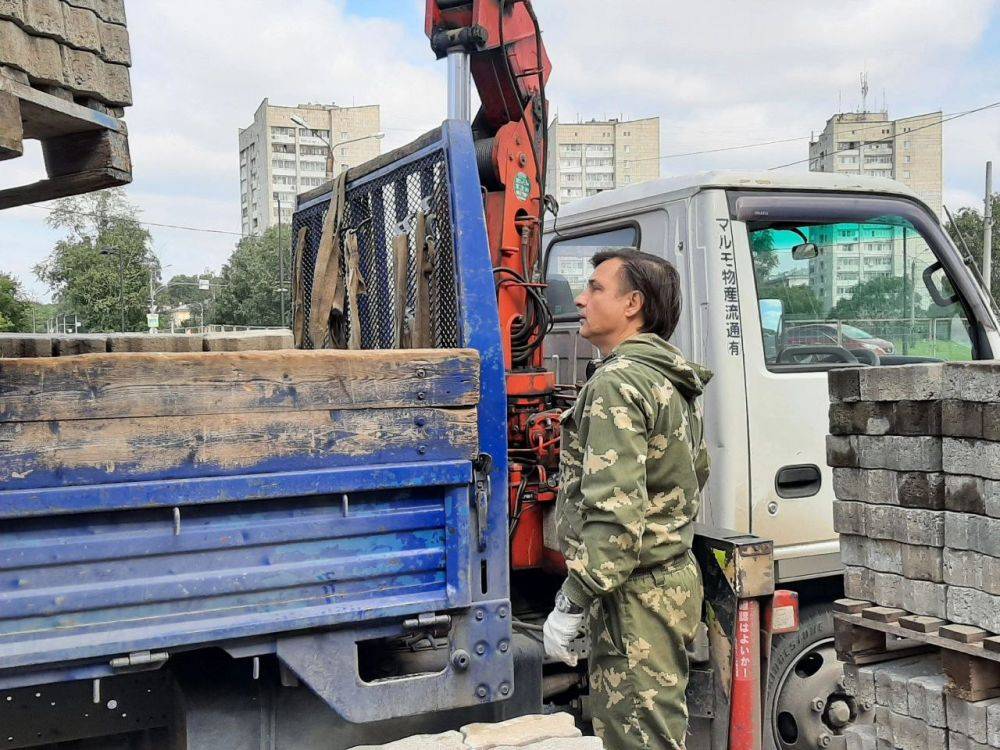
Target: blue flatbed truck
[296,549]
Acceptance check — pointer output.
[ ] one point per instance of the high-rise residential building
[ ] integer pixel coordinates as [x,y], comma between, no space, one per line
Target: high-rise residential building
[907,150]
[588,157]
[280,159]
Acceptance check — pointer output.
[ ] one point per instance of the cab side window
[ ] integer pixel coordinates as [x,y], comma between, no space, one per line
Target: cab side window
[855,293]
[568,266]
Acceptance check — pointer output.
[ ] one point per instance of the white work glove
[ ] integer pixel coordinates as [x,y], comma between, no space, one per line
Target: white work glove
[559,631]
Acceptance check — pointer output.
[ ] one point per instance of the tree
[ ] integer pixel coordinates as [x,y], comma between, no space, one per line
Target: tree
[15,311]
[968,226]
[765,259]
[249,293]
[796,301]
[183,289]
[881,298]
[98,285]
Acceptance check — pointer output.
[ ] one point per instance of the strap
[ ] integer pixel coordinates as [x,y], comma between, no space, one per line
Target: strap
[401,253]
[355,287]
[423,265]
[327,309]
[298,291]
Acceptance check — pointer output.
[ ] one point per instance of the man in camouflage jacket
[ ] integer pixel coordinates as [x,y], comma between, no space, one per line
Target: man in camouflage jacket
[633,463]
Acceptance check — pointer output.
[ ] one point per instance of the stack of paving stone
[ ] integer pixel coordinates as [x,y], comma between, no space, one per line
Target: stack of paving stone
[914,711]
[916,457]
[80,47]
[551,732]
[915,452]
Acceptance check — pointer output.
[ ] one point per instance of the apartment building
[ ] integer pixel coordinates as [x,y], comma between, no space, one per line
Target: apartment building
[908,150]
[586,158]
[279,158]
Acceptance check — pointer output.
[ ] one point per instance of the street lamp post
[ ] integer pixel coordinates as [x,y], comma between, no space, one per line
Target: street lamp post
[330,160]
[116,252]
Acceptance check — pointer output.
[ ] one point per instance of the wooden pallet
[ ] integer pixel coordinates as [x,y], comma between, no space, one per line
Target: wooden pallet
[970,656]
[85,149]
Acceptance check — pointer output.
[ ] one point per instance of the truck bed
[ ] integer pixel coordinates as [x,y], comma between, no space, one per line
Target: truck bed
[152,501]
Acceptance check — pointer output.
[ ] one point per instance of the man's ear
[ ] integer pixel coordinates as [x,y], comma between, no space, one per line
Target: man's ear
[635,304]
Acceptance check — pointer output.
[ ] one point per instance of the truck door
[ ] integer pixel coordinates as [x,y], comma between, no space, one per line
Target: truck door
[838,280]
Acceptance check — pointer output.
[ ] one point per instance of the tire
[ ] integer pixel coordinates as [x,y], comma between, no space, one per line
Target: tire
[805,697]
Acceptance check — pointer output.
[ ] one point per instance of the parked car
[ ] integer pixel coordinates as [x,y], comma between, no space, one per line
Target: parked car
[848,337]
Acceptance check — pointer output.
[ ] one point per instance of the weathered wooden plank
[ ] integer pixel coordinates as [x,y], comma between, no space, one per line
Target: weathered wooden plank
[105,386]
[24,345]
[73,184]
[96,451]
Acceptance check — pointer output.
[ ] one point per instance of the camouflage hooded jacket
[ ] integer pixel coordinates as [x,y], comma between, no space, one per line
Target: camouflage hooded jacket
[633,463]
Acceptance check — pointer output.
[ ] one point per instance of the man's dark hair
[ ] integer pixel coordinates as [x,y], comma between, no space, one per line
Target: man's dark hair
[658,282]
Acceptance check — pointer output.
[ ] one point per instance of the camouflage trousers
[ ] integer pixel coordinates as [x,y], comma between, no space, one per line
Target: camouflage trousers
[638,660]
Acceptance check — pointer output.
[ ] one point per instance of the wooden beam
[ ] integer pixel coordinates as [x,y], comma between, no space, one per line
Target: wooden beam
[85,152]
[74,184]
[98,451]
[109,386]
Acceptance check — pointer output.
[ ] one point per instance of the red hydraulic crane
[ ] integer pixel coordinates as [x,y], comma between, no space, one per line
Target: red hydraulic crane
[498,44]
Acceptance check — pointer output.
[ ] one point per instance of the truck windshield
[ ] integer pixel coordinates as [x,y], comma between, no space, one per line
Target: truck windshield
[854,290]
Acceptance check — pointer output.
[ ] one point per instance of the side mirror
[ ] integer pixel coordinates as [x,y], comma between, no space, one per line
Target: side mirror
[805,251]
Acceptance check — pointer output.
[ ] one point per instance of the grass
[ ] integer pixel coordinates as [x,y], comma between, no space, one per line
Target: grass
[949,351]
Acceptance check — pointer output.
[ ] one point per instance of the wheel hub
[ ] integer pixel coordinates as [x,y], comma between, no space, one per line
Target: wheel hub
[811,706]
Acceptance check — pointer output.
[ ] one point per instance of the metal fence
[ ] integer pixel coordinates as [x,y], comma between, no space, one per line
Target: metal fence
[946,338]
[379,209]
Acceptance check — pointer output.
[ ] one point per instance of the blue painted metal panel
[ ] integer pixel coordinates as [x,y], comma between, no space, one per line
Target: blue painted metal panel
[81,585]
[480,329]
[200,490]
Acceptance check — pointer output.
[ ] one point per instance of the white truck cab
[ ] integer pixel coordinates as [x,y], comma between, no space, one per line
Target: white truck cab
[785,276]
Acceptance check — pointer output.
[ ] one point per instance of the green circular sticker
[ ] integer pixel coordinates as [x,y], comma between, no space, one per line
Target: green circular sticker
[522,186]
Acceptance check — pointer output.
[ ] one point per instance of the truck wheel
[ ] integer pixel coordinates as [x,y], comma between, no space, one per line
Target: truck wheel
[806,705]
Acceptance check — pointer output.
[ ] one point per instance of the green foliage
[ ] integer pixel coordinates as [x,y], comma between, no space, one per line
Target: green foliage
[880,298]
[15,311]
[99,286]
[249,293]
[765,259]
[968,225]
[797,301]
[182,289]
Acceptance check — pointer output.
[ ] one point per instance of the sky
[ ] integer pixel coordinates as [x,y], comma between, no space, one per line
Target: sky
[718,73]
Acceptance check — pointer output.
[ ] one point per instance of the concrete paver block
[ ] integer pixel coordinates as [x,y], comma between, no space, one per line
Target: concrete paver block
[922,562]
[973,607]
[243,341]
[89,343]
[157,342]
[970,718]
[860,737]
[25,345]
[849,517]
[971,569]
[972,381]
[926,699]
[972,532]
[892,680]
[979,458]
[844,384]
[443,741]
[920,382]
[519,732]
[560,743]
[44,18]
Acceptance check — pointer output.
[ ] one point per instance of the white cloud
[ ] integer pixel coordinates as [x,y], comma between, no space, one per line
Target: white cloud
[718,73]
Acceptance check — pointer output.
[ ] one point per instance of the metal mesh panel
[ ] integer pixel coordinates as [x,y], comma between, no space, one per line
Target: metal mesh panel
[379,210]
